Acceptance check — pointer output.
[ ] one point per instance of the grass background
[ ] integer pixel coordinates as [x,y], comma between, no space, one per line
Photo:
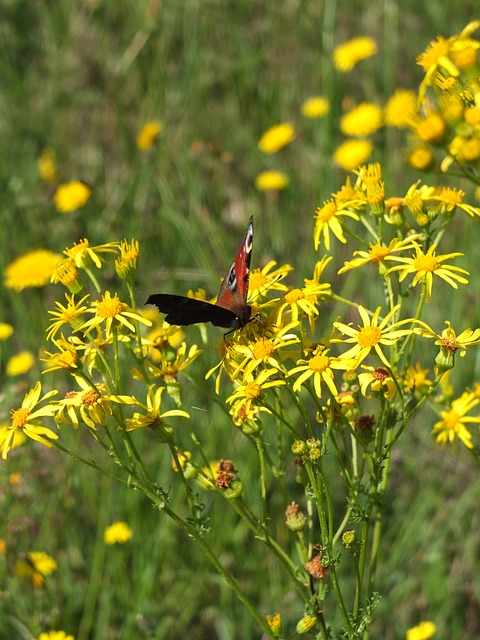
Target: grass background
[81,78]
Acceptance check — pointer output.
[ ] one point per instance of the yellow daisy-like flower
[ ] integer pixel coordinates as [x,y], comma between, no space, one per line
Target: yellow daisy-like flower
[419,156]
[321,366]
[251,390]
[276,137]
[55,635]
[70,314]
[363,120]
[153,416]
[352,153]
[71,196]
[18,437]
[431,128]
[47,165]
[33,269]
[37,566]
[267,279]
[6,330]
[448,341]
[127,262]
[315,107]
[169,365]
[118,532]
[416,379]
[66,357]
[26,419]
[327,219]
[453,198]
[379,380]
[266,351]
[110,309]
[20,363]
[66,273]
[374,334]
[401,109]
[426,265]
[271,181]
[453,421]
[85,256]
[423,631]
[275,624]
[346,56]
[148,134]
[378,254]
[436,57]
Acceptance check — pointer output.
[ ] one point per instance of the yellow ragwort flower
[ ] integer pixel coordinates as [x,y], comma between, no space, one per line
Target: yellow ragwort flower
[271,181]
[321,366]
[267,279]
[453,421]
[419,156]
[47,166]
[315,107]
[328,219]
[37,566]
[452,198]
[276,137]
[66,357]
[426,265]
[347,55]
[379,380]
[416,379]
[6,330]
[33,269]
[251,390]
[362,121]
[20,363]
[148,134]
[118,532]
[401,109]
[423,631]
[70,314]
[25,419]
[55,635]
[86,256]
[374,334]
[448,340]
[153,416]
[71,196]
[109,310]
[352,153]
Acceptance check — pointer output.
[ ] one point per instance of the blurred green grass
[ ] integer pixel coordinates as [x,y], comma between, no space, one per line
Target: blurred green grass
[81,78]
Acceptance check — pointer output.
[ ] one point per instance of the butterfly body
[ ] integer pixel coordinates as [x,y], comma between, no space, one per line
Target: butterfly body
[230,311]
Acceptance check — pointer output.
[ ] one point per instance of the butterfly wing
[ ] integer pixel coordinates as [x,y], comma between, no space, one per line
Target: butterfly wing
[234,288]
[184,311]
[230,310]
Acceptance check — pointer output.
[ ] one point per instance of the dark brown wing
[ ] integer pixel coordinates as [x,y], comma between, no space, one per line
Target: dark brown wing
[184,311]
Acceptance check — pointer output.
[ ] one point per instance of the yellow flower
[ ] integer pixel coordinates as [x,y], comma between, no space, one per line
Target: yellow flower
[431,128]
[454,420]
[71,196]
[107,310]
[267,279]
[426,265]
[251,390]
[126,264]
[275,624]
[327,218]
[66,357]
[37,566]
[321,366]
[378,254]
[276,137]
[352,153]
[86,256]
[67,274]
[419,156]
[379,380]
[117,532]
[315,107]
[153,417]
[6,330]
[271,181]
[372,335]
[70,314]
[448,341]
[168,367]
[452,198]
[347,55]
[33,269]
[26,419]
[436,57]
[416,378]
[148,134]
[401,109]
[55,635]
[47,166]
[363,120]
[424,631]
[20,363]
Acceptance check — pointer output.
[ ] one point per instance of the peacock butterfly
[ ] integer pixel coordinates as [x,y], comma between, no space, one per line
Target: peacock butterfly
[230,311]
